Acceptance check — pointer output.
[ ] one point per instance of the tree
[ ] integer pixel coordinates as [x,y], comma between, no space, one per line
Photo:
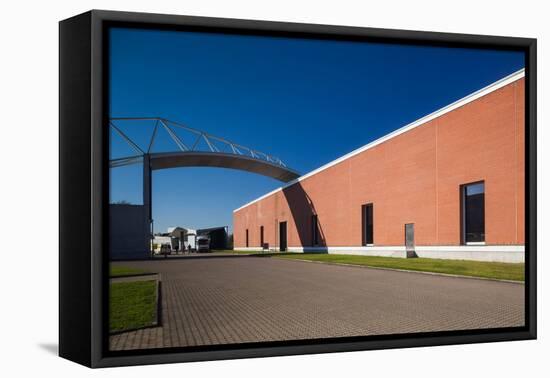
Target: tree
[122,202]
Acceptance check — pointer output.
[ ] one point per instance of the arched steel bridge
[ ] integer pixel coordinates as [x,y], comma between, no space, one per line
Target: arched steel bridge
[197,149]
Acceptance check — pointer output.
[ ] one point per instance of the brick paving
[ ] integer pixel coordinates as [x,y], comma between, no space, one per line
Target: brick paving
[249,299]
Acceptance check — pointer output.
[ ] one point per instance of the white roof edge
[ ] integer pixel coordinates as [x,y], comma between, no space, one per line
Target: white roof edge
[438,113]
[174,227]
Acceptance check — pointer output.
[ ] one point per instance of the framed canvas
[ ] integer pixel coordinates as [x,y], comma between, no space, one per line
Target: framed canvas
[235,188]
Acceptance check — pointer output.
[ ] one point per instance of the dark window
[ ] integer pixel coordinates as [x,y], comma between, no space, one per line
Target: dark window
[247,237]
[367,221]
[261,236]
[473,212]
[314,230]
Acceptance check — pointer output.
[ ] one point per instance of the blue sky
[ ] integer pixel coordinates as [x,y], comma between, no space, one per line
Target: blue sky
[305,101]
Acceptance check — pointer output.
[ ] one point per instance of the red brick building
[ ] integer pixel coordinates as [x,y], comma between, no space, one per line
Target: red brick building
[454,177]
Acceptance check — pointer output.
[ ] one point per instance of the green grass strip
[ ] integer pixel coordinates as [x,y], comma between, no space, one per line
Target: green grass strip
[239,252]
[122,271]
[495,270]
[132,305]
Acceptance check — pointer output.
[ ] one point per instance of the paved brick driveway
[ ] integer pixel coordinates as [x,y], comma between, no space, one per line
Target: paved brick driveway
[248,299]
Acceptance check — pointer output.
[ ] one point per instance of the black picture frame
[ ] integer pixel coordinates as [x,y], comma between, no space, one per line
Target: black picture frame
[83,180]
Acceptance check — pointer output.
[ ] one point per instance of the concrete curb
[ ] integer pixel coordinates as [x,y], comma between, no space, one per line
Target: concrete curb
[136,277]
[406,270]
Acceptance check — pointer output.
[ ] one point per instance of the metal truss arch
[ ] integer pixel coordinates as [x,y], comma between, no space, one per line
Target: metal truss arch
[214,152]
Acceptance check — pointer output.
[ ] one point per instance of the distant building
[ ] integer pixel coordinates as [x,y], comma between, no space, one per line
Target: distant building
[129,234]
[179,239]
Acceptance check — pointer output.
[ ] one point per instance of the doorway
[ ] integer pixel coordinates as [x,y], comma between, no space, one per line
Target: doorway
[367,221]
[282,237]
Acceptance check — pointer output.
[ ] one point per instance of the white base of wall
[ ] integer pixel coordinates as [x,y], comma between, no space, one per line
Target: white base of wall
[494,253]
[504,253]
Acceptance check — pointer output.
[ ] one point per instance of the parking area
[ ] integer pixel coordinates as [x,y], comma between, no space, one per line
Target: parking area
[225,300]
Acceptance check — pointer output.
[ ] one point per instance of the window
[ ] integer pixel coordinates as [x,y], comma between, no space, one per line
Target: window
[473,213]
[314,230]
[367,223]
[247,237]
[262,236]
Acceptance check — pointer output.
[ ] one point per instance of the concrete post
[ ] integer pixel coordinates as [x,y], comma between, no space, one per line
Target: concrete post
[147,201]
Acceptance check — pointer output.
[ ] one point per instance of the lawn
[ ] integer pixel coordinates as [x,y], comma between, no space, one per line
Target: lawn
[122,271]
[503,271]
[133,305]
[237,252]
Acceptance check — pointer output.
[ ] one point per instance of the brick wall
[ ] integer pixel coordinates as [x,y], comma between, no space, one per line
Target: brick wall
[415,178]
